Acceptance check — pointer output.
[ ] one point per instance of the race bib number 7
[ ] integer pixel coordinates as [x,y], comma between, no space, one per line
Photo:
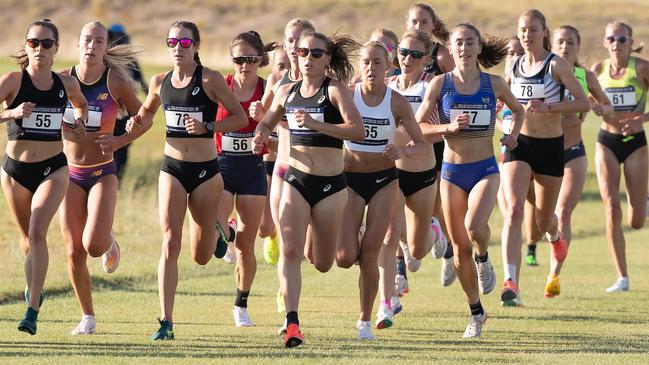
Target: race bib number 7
[479,119]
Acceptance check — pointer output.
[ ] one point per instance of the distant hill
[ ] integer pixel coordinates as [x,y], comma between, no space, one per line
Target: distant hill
[219,21]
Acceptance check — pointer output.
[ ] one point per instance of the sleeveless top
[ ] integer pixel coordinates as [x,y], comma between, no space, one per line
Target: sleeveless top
[45,122]
[541,86]
[320,108]
[480,108]
[414,94]
[626,94]
[102,107]
[379,123]
[189,101]
[433,67]
[239,143]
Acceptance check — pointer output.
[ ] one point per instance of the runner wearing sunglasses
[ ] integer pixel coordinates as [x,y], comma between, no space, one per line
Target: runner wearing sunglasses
[87,212]
[622,140]
[466,100]
[372,179]
[244,178]
[416,195]
[292,32]
[34,171]
[189,176]
[320,113]
[538,79]
[422,17]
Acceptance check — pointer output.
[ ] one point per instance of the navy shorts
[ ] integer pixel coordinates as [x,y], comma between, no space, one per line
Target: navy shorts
[243,175]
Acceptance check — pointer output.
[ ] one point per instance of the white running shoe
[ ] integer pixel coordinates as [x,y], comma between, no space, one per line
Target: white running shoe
[282,330]
[241,317]
[396,305]
[412,264]
[622,284]
[474,328]
[87,326]
[110,258]
[364,329]
[230,257]
[448,274]
[440,242]
[384,317]
[486,276]
[401,285]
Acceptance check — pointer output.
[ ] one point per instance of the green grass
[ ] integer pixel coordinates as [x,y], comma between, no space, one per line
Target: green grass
[582,326]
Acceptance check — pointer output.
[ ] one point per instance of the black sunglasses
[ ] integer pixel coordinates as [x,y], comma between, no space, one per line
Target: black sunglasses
[622,39]
[184,42]
[315,52]
[415,54]
[240,60]
[35,42]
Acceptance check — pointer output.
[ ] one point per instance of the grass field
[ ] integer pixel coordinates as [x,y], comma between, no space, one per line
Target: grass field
[582,326]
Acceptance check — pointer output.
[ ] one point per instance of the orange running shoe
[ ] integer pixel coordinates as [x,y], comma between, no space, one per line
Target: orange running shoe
[293,337]
[509,291]
[559,249]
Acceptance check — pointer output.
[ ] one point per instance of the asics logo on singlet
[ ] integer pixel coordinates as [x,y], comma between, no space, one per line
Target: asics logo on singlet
[47,171]
[327,188]
[321,100]
[61,93]
[196,90]
[291,177]
[290,97]
[378,181]
[202,174]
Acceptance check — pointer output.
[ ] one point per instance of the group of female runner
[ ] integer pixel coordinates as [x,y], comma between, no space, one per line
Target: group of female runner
[307,153]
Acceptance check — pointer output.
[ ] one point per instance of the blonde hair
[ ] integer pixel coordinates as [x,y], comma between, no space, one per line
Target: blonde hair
[300,22]
[380,45]
[628,28]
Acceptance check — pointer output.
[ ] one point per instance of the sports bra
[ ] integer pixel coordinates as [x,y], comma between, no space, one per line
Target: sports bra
[541,86]
[626,94]
[480,108]
[44,124]
[379,123]
[102,107]
[320,108]
[190,100]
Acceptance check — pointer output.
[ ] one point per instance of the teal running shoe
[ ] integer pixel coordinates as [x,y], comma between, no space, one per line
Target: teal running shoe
[166,331]
[28,324]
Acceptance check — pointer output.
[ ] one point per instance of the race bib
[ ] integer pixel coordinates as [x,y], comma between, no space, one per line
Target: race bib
[528,91]
[621,96]
[94,117]
[479,119]
[315,113]
[237,143]
[44,118]
[378,132]
[175,116]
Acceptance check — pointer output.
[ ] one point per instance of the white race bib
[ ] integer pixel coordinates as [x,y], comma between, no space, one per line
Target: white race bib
[316,113]
[528,91]
[623,96]
[175,118]
[236,145]
[94,117]
[377,131]
[479,119]
[44,119]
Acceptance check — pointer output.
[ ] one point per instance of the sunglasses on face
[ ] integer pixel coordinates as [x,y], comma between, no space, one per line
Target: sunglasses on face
[240,60]
[622,39]
[46,43]
[415,54]
[315,52]
[184,42]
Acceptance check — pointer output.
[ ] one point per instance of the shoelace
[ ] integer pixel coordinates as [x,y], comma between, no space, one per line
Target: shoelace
[483,271]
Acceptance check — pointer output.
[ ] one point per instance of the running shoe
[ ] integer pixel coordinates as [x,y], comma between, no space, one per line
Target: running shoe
[486,276]
[448,274]
[224,238]
[412,264]
[530,259]
[293,337]
[230,256]
[271,250]
[401,285]
[474,328]
[241,317]
[282,330]
[384,317]
[396,305]
[559,249]
[28,324]
[552,288]
[166,331]
[509,295]
[364,329]
[40,299]
[279,300]
[110,258]
[439,239]
[622,284]
[87,326]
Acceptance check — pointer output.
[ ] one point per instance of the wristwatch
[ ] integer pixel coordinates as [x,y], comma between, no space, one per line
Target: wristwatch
[210,127]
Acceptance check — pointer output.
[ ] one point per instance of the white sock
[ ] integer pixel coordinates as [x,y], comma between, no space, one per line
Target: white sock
[553,237]
[86,316]
[510,272]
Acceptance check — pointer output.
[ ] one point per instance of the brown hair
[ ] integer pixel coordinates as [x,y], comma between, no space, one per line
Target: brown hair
[340,48]
[253,39]
[393,37]
[420,36]
[536,14]
[196,36]
[628,28]
[440,31]
[494,49]
[20,57]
